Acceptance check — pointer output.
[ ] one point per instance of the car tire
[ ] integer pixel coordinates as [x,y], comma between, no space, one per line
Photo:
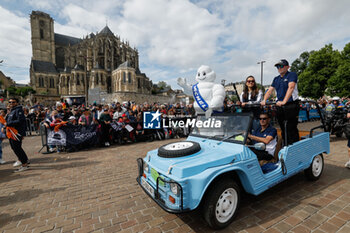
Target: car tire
[339,134]
[221,204]
[178,149]
[315,170]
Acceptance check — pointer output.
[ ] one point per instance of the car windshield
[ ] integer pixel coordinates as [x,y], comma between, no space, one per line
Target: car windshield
[233,127]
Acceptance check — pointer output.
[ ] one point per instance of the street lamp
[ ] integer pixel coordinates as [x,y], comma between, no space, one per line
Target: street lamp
[262,70]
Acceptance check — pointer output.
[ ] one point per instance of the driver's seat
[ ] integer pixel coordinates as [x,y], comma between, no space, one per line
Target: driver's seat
[275,155]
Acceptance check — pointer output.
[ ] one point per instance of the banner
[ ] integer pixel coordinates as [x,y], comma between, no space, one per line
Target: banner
[73,135]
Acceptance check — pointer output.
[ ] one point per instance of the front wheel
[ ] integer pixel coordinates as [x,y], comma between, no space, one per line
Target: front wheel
[316,168]
[221,204]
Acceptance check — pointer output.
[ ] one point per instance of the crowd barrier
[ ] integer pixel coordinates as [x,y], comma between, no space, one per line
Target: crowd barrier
[78,136]
[313,115]
[30,129]
[43,135]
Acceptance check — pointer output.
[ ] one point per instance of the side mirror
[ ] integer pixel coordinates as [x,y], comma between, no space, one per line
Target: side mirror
[260,146]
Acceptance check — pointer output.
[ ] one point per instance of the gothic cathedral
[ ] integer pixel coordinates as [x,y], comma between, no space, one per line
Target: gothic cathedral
[65,65]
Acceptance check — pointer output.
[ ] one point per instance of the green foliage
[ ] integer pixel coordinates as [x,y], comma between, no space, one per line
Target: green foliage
[301,63]
[11,90]
[163,85]
[20,91]
[321,66]
[339,83]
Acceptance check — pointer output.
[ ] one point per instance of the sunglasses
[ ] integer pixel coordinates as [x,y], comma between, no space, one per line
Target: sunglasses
[250,81]
[12,102]
[263,119]
[279,66]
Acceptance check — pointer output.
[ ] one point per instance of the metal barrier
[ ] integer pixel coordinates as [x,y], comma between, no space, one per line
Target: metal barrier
[30,127]
[43,135]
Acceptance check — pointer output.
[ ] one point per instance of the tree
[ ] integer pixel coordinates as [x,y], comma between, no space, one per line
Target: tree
[322,65]
[11,90]
[339,83]
[24,91]
[301,63]
[163,85]
[20,91]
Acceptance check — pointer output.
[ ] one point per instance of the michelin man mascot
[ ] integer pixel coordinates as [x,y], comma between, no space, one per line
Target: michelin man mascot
[208,95]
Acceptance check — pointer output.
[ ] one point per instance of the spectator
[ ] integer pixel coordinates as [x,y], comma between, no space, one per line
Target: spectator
[126,135]
[105,120]
[347,164]
[2,134]
[16,120]
[119,111]
[72,120]
[85,119]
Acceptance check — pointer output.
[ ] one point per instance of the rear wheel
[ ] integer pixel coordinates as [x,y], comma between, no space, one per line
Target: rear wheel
[339,134]
[316,168]
[221,204]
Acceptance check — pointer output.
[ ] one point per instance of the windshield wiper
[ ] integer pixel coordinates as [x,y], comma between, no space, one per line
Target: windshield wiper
[212,137]
[230,136]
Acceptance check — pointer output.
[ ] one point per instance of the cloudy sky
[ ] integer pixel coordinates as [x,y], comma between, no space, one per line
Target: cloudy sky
[175,37]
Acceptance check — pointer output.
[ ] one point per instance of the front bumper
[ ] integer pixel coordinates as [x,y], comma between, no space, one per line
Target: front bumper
[157,196]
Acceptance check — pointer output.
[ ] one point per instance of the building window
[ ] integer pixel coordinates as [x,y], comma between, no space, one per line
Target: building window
[41,33]
[138,83]
[124,77]
[129,77]
[97,78]
[52,83]
[41,82]
[78,81]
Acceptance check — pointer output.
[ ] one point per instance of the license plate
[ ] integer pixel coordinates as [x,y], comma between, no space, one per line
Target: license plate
[148,187]
[155,175]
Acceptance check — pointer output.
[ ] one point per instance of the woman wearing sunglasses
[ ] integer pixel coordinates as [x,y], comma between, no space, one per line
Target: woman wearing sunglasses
[251,95]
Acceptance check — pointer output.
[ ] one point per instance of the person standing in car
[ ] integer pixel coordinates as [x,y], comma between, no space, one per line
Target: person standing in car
[251,95]
[16,120]
[287,103]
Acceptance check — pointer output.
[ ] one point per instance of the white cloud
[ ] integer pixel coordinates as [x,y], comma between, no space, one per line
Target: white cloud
[174,33]
[15,47]
[175,37]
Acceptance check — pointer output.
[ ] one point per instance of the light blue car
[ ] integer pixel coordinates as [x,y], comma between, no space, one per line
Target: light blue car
[213,166]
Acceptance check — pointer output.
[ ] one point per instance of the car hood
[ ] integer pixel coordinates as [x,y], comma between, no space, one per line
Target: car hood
[212,154]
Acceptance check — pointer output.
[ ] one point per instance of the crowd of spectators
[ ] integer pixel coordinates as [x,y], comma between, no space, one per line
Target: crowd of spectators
[128,113]
[128,116]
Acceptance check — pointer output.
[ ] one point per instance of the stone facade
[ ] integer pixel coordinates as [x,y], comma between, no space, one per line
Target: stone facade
[5,83]
[64,65]
[229,89]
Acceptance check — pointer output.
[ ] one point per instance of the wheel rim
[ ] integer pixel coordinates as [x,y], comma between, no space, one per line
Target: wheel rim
[226,205]
[178,146]
[317,166]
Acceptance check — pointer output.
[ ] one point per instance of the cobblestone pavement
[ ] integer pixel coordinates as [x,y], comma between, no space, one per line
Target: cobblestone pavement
[95,190]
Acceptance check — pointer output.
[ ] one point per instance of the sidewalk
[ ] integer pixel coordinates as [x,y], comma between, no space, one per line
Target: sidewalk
[95,190]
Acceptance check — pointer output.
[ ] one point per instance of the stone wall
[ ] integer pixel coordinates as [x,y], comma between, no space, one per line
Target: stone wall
[135,97]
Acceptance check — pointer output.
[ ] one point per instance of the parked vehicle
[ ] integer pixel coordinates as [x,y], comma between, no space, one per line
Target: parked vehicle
[213,168]
[335,120]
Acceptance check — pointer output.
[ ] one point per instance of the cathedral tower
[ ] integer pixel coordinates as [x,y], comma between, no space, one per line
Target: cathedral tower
[43,39]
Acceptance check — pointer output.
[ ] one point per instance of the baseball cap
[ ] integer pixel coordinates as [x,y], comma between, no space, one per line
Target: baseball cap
[283,62]
[71,118]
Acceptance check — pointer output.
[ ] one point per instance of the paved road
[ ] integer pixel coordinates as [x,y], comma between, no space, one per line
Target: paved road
[95,190]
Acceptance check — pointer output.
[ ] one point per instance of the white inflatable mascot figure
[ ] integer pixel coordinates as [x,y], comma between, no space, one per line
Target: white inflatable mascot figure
[208,95]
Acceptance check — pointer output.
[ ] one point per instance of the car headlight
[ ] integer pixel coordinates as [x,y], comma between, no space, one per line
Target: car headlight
[145,167]
[175,189]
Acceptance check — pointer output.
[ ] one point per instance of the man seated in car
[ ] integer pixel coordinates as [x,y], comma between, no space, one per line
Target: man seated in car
[267,134]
